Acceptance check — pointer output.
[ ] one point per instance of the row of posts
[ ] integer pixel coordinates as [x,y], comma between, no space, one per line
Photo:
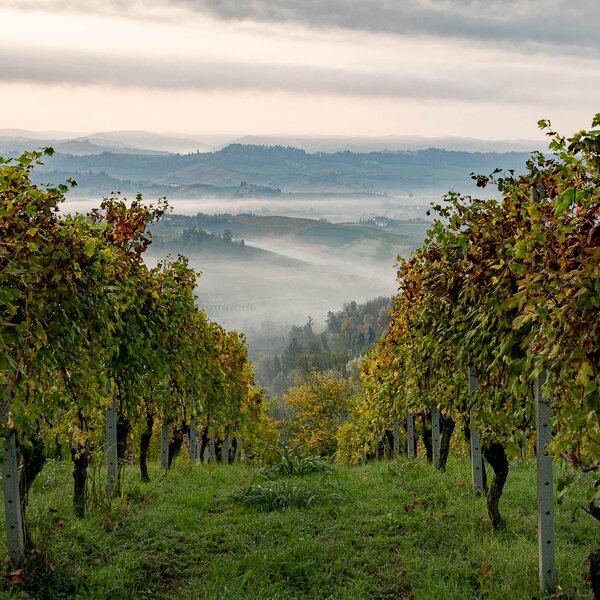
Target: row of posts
[15,538]
[194,447]
[545,510]
[545,494]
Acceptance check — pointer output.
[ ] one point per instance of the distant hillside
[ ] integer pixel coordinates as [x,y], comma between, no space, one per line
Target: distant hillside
[367,240]
[390,143]
[184,143]
[197,243]
[293,170]
[11,145]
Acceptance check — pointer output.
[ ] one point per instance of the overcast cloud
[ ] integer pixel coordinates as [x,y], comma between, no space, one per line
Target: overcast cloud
[570,22]
[400,60]
[62,67]
[547,22]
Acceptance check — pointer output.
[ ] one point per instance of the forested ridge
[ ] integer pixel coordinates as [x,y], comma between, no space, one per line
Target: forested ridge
[240,169]
[347,335]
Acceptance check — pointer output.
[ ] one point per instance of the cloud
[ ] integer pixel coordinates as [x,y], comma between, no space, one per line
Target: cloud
[334,65]
[55,66]
[569,25]
[545,21]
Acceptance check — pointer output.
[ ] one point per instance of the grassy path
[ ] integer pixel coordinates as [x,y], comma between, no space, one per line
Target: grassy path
[402,531]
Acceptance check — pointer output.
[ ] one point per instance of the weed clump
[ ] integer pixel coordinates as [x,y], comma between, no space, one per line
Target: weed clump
[278,486]
[279,495]
[288,463]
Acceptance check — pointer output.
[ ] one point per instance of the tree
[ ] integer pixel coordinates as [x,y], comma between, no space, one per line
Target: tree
[320,406]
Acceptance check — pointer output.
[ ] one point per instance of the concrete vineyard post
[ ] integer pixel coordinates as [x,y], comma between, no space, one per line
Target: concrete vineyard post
[410,434]
[435,436]
[112,456]
[13,517]
[212,455]
[192,441]
[164,446]
[545,493]
[396,426]
[476,458]
[12,500]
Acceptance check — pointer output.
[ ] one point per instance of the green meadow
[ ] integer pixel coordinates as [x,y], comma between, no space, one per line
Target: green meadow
[391,529]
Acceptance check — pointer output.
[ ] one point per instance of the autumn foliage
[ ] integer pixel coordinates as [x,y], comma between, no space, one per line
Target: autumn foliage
[320,406]
[79,308]
[510,285]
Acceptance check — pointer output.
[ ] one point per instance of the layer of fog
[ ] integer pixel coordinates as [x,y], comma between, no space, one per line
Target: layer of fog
[249,297]
[334,208]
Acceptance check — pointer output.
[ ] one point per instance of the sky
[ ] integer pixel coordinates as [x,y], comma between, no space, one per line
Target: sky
[471,68]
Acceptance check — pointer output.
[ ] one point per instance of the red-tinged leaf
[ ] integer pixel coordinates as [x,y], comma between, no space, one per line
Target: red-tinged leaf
[48,566]
[485,571]
[18,577]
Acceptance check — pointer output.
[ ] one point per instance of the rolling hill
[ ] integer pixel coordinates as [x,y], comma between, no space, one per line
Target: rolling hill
[298,236]
[290,170]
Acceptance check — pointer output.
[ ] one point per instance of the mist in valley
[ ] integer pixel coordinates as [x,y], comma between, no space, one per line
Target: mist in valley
[258,297]
[336,208]
[250,294]
[286,271]
[282,296]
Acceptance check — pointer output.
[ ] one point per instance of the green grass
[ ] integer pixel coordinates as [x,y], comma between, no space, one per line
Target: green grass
[280,495]
[288,462]
[399,530]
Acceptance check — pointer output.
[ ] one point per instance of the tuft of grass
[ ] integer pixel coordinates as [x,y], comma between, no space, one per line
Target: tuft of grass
[279,495]
[267,492]
[288,462]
